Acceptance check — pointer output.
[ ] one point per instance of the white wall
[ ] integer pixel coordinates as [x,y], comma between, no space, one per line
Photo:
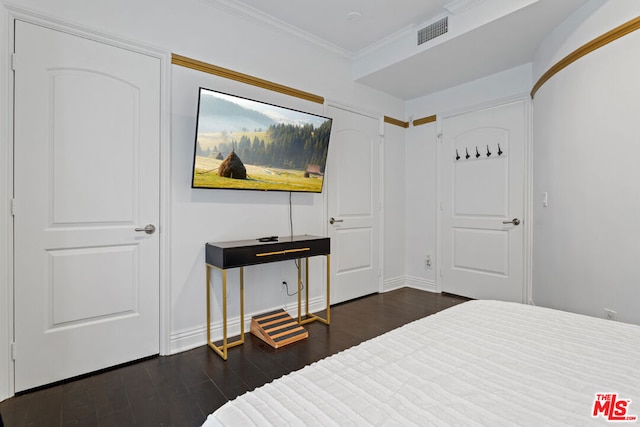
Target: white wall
[420,212]
[421,162]
[586,153]
[394,205]
[204,31]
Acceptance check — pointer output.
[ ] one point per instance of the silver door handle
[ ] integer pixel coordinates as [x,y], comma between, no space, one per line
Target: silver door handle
[149,229]
[514,221]
[333,220]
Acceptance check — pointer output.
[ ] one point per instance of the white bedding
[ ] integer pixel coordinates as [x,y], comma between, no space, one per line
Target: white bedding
[480,363]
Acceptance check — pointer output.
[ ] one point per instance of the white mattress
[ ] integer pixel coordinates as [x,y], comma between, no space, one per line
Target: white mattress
[480,363]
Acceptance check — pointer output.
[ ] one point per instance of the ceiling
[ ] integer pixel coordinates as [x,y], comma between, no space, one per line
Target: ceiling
[359,27]
[327,19]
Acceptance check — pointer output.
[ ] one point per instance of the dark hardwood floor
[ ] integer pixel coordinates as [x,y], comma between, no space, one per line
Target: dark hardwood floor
[181,390]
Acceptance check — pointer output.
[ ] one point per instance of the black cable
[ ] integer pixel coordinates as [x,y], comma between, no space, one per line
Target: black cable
[286,285]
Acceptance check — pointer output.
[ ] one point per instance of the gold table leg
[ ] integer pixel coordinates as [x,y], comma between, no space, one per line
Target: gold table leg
[222,349]
[310,317]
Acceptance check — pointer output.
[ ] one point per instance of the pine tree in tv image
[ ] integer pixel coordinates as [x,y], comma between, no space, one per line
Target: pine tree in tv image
[247,144]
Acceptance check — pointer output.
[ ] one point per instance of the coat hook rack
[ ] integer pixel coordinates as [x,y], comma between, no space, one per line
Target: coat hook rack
[477,152]
[467,156]
[499,150]
[488,152]
[457,155]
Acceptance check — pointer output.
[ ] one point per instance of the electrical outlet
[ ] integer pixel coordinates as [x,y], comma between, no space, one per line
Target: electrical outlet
[427,262]
[610,314]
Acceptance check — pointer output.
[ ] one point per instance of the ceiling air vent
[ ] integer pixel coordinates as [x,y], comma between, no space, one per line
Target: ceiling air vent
[434,30]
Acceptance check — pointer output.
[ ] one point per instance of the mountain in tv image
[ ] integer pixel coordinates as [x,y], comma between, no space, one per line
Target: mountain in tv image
[219,115]
[245,144]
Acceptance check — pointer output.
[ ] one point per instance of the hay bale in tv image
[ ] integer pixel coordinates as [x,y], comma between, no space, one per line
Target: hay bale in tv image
[232,167]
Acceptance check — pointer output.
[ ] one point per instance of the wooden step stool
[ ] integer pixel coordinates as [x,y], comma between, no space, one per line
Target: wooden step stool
[277,328]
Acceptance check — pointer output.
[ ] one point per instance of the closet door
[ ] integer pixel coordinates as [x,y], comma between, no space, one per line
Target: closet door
[353,205]
[482,188]
[86,186]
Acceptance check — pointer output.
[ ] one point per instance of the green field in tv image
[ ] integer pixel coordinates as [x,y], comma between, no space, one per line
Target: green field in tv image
[246,144]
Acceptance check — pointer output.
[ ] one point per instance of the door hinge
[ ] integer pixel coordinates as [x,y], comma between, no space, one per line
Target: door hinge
[13,61]
[13,351]
[13,207]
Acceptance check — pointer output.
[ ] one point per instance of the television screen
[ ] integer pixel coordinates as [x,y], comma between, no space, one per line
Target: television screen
[251,145]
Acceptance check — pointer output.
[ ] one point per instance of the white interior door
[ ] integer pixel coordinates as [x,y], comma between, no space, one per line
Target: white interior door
[353,205]
[482,172]
[86,175]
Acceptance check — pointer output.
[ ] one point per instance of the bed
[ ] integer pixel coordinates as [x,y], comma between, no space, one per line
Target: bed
[480,363]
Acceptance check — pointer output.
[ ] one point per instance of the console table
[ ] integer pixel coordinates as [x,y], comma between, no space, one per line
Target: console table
[241,253]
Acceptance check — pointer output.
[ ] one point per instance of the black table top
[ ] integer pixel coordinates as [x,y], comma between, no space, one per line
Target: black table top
[239,253]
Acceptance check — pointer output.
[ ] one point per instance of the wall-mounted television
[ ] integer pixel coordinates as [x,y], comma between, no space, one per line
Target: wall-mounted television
[246,144]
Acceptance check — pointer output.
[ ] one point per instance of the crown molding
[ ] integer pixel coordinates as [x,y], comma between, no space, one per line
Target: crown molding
[457,7]
[595,44]
[398,36]
[397,122]
[204,67]
[255,16]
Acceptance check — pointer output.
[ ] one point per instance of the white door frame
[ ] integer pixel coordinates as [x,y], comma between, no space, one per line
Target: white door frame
[8,14]
[6,222]
[380,224]
[528,186]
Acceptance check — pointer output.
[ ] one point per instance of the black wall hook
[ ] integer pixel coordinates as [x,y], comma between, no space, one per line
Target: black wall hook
[467,156]
[457,155]
[488,152]
[477,152]
[499,150]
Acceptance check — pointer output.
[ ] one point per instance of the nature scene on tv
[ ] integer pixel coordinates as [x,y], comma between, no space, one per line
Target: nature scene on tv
[246,144]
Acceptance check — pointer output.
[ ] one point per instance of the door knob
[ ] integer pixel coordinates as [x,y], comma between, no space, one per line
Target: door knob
[514,221]
[333,220]
[149,229]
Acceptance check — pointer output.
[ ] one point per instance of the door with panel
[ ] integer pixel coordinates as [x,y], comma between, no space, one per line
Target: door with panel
[482,160]
[86,190]
[353,205]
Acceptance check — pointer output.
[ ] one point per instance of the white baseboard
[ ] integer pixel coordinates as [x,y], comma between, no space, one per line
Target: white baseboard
[410,282]
[394,283]
[188,339]
[422,284]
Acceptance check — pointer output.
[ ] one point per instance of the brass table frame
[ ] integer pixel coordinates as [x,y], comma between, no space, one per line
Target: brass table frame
[222,350]
[310,317]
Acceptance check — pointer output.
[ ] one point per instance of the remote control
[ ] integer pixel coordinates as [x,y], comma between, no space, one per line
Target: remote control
[268,239]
